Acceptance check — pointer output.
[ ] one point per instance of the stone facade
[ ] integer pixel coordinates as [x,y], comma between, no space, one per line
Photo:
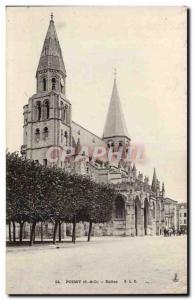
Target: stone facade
[170,213]
[182,216]
[139,206]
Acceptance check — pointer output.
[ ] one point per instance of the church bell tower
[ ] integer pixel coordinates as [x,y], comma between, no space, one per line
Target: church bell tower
[47,116]
[115,132]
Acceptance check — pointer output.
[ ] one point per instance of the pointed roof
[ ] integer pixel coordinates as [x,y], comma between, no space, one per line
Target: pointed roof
[158,184]
[51,55]
[154,181]
[78,147]
[115,123]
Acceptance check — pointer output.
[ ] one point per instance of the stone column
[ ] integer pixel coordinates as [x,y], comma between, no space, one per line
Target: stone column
[142,222]
[150,223]
[130,219]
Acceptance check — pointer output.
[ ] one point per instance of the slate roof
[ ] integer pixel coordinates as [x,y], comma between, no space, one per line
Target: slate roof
[51,55]
[115,123]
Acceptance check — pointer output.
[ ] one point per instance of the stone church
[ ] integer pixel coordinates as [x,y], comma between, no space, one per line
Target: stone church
[139,206]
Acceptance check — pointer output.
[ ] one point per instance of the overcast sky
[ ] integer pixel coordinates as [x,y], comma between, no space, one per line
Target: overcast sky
[148,48]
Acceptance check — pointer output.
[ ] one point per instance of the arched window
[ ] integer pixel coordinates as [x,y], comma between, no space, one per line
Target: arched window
[66,137]
[63,110]
[44,84]
[45,133]
[110,144]
[119,208]
[47,109]
[53,83]
[38,110]
[37,135]
[62,137]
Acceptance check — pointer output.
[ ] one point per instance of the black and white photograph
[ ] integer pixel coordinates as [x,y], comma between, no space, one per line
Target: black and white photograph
[96,150]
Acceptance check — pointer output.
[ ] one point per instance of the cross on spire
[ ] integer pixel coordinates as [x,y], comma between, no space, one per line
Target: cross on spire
[115,125]
[51,55]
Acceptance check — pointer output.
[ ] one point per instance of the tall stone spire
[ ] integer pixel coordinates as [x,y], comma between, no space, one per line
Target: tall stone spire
[115,125]
[154,181]
[51,55]
[163,190]
[48,112]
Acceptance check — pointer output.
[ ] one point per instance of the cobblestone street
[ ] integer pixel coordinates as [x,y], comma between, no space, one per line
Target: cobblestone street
[106,265]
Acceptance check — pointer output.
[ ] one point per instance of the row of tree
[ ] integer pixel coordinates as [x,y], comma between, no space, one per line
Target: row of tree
[40,194]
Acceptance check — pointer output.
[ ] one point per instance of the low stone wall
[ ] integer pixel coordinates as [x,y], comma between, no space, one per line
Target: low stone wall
[112,228]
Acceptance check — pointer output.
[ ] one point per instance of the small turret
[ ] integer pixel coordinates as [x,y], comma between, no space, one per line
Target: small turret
[146,180]
[140,176]
[129,170]
[134,171]
[163,190]
[154,182]
[78,147]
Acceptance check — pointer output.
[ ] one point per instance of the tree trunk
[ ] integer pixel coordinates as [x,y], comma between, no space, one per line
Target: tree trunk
[32,235]
[21,232]
[42,233]
[59,232]
[90,229]
[14,237]
[55,231]
[74,230]
[10,237]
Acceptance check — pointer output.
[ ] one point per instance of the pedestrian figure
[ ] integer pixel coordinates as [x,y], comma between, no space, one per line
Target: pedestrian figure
[175,279]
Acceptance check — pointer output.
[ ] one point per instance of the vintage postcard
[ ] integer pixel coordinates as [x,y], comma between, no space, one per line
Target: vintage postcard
[96,162]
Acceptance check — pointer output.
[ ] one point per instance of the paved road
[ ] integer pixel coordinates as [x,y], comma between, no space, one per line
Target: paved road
[105,265]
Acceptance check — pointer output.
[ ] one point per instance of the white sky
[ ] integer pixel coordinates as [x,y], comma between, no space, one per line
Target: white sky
[148,48]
